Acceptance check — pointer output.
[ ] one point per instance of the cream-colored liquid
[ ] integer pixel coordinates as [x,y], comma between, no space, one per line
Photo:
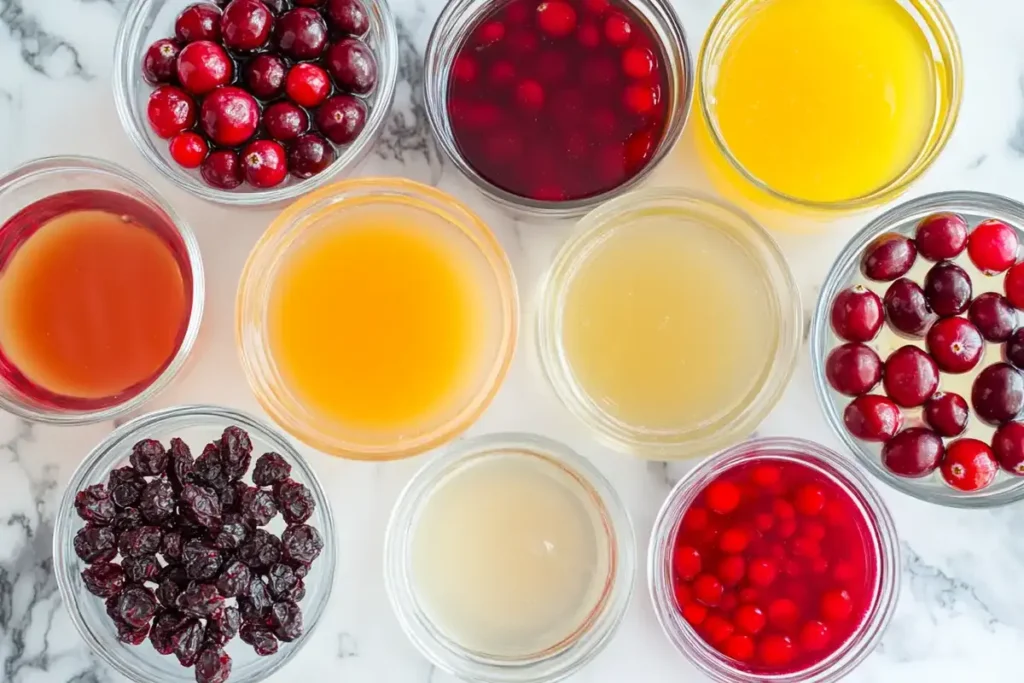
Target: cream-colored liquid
[509,555]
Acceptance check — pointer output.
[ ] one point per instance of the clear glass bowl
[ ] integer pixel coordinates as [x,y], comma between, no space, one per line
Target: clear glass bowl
[42,178]
[845,272]
[684,441]
[452,27]
[197,425]
[310,214]
[883,538]
[146,21]
[561,659]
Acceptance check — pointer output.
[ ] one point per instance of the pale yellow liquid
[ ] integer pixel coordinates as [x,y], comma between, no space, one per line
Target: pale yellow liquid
[668,324]
[509,555]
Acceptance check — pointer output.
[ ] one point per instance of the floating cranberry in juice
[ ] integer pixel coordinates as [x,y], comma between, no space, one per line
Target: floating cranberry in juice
[561,99]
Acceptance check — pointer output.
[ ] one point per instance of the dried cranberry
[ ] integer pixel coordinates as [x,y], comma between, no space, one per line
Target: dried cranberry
[200,599]
[352,65]
[270,469]
[286,618]
[171,546]
[129,518]
[165,626]
[231,534]
[255,601]
[235,452]
[131,635]
[295,501]
[301,544]
[264,76]
[347,17]
[201,505]
[136,605]
[208,468]
[179,469]
[140,569]
[213,665]
[201,562]
[157,502]
[281,580]
[94,505]
[95,544]
[234,579]
[187,640]
[223,626]
[125,485]
[167,592]
[258,507]
[144,540]
[149,458]
[260,637]
[260,550]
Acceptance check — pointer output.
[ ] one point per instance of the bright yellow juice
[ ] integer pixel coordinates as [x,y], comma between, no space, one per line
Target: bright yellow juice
[824,100]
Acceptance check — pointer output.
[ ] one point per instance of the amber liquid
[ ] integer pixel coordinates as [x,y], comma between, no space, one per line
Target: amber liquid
[95,294]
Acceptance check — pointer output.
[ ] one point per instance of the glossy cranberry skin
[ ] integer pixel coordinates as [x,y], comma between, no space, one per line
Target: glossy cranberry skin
[245,25]
[309,155]
[188,149]
[307,84]
[955,345]
[888,257]
[1008,447]
[907,309]
[556,18]
[941,236]
[914,452]
[222,169]
[910,376]
[997,395]
[285,121]
[947,413]
[352,65]
[993,246]
[200,21]
[264,76]
[229,116]
[204,66]
[1014,348]
[969,465]
[170,111]
[160,63]
[994,316]
[1013,285]
[347,17]
[301,33]
[853,369]
[264,163]
[857,314]
[873,418]
[341,118]
[948,289]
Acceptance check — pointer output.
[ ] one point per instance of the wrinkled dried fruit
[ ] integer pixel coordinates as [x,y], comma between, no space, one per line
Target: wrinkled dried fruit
[270,469]
[295,501]
[231,534]
[235,452]
[167,593]
[208,469]
[234,580]
[260,637]
[94,505]
[280,580]
[255,602]
[231,496]
[125,485]
[260,550]
[201,505]
[301,544]
[165,626]
[142,541]
[213,666]
[157,501]
[223,626]
[129,518]
[95,544]
[171,546]
[103,579]
[200,600]
[286,618]
[136,605]
[201,562]
[149,458]
[140,569]
[187,640]
[179,471]
[258,507]
[131,635]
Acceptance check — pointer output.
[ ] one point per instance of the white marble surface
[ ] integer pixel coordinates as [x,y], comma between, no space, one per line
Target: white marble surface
[961,612]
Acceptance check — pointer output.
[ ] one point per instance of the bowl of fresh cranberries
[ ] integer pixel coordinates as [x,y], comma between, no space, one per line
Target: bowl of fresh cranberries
[774,560]
[553,106]
[195,544]
[918,348]
[253,102]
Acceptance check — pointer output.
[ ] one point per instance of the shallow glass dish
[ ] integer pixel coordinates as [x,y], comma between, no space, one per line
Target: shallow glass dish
[146,21]
[197,426]
[845,272]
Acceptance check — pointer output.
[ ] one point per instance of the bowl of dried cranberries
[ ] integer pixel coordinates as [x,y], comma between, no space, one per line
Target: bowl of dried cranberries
[917,348]
[253,102]
[774,560]
[195,544]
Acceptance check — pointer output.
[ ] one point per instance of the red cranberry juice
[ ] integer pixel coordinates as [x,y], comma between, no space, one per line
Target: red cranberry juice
[774,566]
[559,100]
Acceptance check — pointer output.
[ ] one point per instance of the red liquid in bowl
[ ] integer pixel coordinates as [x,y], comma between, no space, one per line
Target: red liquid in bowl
[559,100]
[774,566]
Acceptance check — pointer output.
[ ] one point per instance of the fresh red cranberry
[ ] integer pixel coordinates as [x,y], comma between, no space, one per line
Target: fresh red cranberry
[491,32]
[352,65]
[1013,285]
[341,118]
[994,316]
[695,614]
[160,63]
[530,95]
[907,309]
[731,569]
[997,395]
[946,413]
[1008,447]
[309,155]
[348,17]
[809,500]
[464,69]
[941,236]
[853,369]
[836,605]
[198,22]
[264,76]
[301,33]
[638,62]
[284,121]
[872,418]
[914,452]
[717,629]
[857,314]
[888,257]
[617,29]
[762,572]
[776,650]
[188,149]
[588,35]
[910,376]
[203,66]
[707,589]
[264,163]
[992,246]
[596,7]
[723,497]
[955,345]
[750,619]
[739,647]
[969,465]
[222,169]
[641,99]
[733,540]
[556,18]
[814,636]
[948,289]
[245,25]
[1014,348]
[170,111]
[307,84]
[686,562]
[229,116]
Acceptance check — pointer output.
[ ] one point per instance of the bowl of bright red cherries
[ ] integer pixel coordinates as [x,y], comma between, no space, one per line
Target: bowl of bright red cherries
[252,102]
[918,348]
